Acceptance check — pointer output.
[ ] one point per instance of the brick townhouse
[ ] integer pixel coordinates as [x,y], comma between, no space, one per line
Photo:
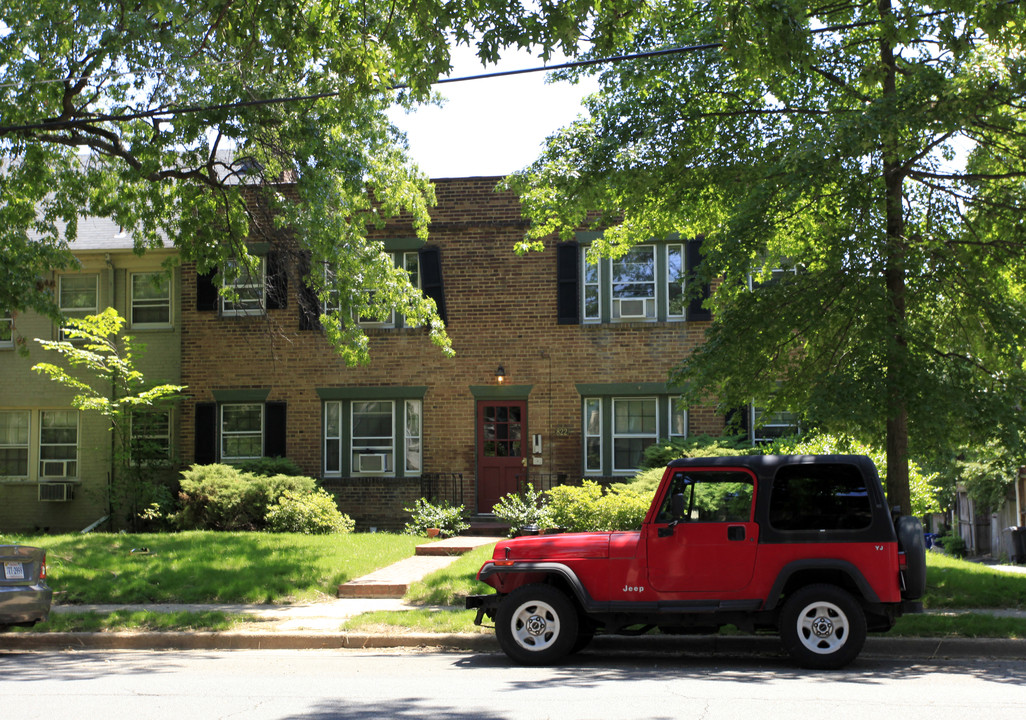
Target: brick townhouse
[560,369]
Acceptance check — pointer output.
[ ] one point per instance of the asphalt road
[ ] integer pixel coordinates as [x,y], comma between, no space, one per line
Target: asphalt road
[322,685]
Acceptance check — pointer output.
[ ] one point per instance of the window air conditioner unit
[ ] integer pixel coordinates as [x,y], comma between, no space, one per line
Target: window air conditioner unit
[370,463]
[56,492]
[633,308]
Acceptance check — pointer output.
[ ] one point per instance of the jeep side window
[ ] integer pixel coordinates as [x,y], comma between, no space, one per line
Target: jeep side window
[820,497]
[709,496]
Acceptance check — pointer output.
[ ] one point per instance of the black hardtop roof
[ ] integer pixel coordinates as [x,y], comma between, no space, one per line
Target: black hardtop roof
[767,465]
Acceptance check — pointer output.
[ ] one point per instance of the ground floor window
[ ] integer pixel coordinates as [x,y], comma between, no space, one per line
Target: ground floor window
[242,431]
[58,443]
[379,437]
[151,435]
[14,443]
[617,429]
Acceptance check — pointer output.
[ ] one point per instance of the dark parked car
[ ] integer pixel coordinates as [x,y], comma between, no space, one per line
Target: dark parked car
[24,595]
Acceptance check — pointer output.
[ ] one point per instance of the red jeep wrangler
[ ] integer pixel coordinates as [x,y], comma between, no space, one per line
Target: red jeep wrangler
[804,545]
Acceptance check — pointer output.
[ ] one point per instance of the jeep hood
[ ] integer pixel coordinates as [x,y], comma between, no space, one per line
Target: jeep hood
[554,547]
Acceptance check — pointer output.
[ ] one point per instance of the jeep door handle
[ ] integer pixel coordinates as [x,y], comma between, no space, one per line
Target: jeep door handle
[736,533]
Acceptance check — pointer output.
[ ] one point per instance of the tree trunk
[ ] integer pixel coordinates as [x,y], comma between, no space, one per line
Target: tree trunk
[895,251]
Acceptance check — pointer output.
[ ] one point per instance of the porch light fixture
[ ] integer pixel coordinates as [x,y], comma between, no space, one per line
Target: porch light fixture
[500,374]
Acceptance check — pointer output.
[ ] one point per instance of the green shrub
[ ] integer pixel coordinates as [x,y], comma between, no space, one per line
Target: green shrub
[313,513]
[448,519]
[221,497]
[586,507]
[270,466]
[521,510]
[661,453]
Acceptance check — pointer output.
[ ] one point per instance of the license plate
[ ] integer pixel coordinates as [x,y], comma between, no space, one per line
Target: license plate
[14,571]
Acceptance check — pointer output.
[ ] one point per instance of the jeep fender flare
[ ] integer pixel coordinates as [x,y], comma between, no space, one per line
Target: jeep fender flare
[545,568]
[817,564]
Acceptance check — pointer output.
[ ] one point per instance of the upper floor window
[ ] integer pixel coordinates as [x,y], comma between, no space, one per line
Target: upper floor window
[250,286]
[6,329]
[646,284]
[409,261]
[78,295]
[151,300]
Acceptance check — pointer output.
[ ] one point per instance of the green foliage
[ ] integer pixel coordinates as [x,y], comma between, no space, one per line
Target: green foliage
[447,519]
[881,160]
[660,454]
[312,513]
[101,372]
[953,545]
[988,473]
[221,497]
[205,180]
[270,466]
[522,509]
[586,507]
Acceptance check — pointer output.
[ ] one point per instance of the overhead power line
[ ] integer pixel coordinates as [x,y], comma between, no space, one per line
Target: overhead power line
[192,109]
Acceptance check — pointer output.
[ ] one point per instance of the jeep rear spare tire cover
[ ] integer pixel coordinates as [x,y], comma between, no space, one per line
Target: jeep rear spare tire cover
[912,542]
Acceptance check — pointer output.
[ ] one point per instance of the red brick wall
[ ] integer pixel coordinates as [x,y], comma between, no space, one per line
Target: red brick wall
[502,310]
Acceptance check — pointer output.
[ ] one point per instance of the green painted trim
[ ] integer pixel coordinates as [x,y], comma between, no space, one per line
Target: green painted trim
[586,237]
[642,388]
[389,392]
[258,248]
[406,243]
[245,395]
[501,392]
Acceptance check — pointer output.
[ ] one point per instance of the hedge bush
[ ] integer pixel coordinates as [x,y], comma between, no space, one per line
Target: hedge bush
[222,497]
[586,507]
[424,515]
[519,511]
[312,513]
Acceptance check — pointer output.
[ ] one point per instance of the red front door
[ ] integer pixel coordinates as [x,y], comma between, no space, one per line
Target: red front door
[501,456]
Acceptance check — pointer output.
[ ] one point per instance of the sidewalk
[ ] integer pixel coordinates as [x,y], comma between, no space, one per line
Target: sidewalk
[318,625]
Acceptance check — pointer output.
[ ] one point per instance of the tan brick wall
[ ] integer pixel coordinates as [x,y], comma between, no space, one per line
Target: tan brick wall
[502,310]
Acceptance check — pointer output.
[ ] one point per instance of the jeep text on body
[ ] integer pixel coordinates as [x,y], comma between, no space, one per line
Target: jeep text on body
[805,545]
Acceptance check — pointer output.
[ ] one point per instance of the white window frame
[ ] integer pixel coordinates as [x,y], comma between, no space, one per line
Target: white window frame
[413,439]
[648,302]
[255,303]
[8,444]
[71,311]
[6,329]
[677,420]
[787,422]
[149,303]
[614,435]
[69,459]
[675,281]
[372,445]
[591,289]
[226,435]
[592,433]
[338,441]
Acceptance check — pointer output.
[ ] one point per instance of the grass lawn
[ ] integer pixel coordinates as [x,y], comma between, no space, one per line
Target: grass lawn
[211,567]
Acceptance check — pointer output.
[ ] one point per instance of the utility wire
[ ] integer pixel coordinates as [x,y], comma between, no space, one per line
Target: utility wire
[190,109]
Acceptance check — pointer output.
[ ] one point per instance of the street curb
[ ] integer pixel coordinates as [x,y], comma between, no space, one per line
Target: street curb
[916,648]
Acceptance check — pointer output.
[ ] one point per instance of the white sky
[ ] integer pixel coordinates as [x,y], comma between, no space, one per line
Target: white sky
[493,126]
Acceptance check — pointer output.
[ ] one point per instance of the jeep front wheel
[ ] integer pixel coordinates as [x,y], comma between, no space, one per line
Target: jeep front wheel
[536,625]
[822,627]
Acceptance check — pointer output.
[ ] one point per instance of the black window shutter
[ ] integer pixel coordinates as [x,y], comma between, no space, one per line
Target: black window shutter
[277,282]
[693,259]
[206,292]
[205,442]
[274,429]
[568,292]
[431,278]
[309,305]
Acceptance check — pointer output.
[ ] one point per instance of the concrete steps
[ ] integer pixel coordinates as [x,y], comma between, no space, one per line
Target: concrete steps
[393,581]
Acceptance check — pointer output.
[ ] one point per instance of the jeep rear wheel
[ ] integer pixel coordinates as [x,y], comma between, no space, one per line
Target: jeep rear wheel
[536,625]
[822,627]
